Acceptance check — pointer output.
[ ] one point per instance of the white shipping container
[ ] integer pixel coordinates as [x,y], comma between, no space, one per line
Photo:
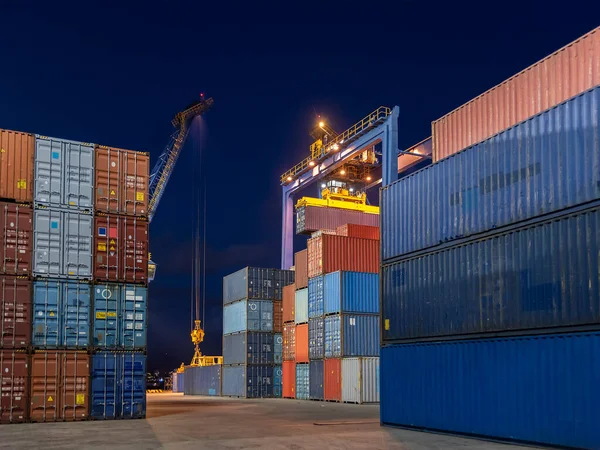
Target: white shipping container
[360,380]
[301,306]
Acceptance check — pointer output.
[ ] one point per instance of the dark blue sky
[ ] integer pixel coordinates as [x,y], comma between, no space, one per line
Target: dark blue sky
[116,76]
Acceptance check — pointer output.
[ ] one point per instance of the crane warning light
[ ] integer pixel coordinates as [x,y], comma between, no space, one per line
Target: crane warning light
[321,124]
[336,147]
[311,164]
[342,172]
[369,178]
[289,178]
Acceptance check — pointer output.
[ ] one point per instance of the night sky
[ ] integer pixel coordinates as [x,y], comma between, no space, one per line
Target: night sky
[117,76]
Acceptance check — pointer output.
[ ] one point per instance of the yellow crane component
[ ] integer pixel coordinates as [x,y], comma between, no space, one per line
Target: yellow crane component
[339,198]
[199,359]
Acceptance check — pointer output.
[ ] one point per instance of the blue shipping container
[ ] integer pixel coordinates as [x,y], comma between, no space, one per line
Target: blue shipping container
[278,348]
[317,378]
[543,276]
[248,381]
[120,314]
[248,348]
[352,292]
[316,338]
[315,297]
[302,381]
[61,314]
[301,306]
[256,284]
[178,382]
[118,385]
[277,382]
[203,380]
[351,335]
[541,389]
[248,315]
[545,164]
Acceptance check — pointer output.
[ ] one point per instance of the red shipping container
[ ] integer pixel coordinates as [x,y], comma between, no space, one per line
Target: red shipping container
[358,231]
[122,178]
[566,73]
[289,342]
[15,312]
[60,386]
[14,386]
[330,253]
[314,218]
[332,385]
[288,382]
[301,264]
[121,249]
[277,317]
[302,343]
[16,165]
[289,303]
[16,237]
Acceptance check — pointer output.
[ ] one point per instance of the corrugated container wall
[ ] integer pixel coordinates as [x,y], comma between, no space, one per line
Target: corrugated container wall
[16,239]
[543,165]
[571,70]
[62,244]
[312,218]
[277,381]
[278,348]
[301,269]
[351,335]
[178,382]
[301,306]
[330,253]
[277,317]
[316,338]
[248,381]
[543,276]
[302,381]
[245,315]
[332,383]
[64,173]
[289,303]
[360,380]
[14,374]
[315,297]
[541,389]
[289,342]
[352,292]
[121,249]
[15,312]
[289,379]
[16,165]
[256,284]
[60,386]
[122,178]
[248,348]
[61,314]
[316,380]
[202,380]
[301,354]
[358,231]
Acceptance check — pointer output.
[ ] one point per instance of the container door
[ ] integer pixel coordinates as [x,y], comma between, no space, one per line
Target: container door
[16,165]
[79,175]
[107,261]
[135,235]
[15,239]
[45,368]
[137,174]
[46,314]
[78,245]
[133,313]
[133,386]
[76,312]
[106,299]
[15,312]
[47,242]
[351,382]
[107,174]
[266,315]
[48,171]
[74,388]
[14,368]
[104,385]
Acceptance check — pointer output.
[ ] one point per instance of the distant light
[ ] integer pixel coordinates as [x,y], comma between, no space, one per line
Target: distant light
[336,147]
[311,164]
[342,172]
[321,124]
[161,380]
[323,186]
[289,178]
[351,189]
[202,94]
[342,141]
[368,178]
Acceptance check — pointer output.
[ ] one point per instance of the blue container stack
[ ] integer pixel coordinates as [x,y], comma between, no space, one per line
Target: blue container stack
[252,351]
[490,284]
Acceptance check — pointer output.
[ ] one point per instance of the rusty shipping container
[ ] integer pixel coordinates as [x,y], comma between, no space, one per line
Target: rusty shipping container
[329,253]
[16,238]
[14,385]
[332,383]
[289,379]
[302,343]
[358,231]
[16,165]
[289,303]
[121,249]
[277,317]
[122,178]
[566,73]
[313,218]
[15,312]
[60,387]
[301,265]
[289,342]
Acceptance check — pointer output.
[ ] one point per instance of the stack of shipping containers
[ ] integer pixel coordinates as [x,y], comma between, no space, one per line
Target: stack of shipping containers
[50,312]
[331,329]
[490,264]
[252,322]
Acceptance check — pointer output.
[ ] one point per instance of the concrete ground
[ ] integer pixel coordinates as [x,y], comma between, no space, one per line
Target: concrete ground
[178,422]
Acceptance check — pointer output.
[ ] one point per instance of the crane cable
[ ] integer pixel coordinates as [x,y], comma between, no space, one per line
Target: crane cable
[204,262]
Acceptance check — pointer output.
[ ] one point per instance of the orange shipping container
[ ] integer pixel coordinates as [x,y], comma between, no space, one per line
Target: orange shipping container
[302,343]
[289,303]
[289,342]
[566,73]
[60,386]
[329,253]
[16,165]
[358,231]
[289,379]
[277,317]
[122,178]
[332,389]
[301,264]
